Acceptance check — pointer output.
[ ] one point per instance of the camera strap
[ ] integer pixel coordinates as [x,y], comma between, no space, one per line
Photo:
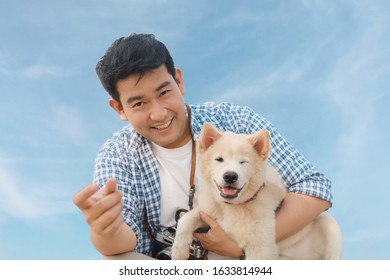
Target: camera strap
[191,193]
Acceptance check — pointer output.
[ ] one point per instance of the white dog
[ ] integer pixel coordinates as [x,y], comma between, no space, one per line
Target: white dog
[242,193]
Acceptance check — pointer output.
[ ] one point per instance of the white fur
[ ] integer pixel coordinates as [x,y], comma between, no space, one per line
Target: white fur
[248,218]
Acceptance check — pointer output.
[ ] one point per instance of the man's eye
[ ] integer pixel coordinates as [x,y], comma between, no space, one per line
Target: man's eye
[165,92]
[219,159]
[138,104]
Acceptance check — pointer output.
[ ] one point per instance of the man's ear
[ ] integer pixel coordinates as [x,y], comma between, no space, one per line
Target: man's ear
[117,106]
[179,80]
[260,142]
[207,137]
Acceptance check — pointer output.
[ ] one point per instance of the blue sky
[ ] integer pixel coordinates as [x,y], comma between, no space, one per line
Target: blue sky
[318,70]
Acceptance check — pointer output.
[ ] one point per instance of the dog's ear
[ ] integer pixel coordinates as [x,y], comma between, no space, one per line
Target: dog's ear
[208,136]
[260,142]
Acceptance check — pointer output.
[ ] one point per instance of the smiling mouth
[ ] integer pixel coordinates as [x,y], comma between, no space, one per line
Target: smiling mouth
[163,126]
[228,192]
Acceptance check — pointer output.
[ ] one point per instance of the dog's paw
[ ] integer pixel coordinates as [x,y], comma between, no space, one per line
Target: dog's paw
[180,252]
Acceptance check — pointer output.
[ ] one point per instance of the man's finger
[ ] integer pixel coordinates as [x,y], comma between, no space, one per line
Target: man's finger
[81,198]
[104,204]
[110,187]
[113,219]
[208,220]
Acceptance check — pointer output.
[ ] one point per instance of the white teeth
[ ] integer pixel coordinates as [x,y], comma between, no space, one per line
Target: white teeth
[163,125]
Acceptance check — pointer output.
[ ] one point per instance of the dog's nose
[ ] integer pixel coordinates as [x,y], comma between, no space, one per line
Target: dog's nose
[230,177]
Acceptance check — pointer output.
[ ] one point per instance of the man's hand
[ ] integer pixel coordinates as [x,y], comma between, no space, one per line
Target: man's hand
[102,209]
[216,240]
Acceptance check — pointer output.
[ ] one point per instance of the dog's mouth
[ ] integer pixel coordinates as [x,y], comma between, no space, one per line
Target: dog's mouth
[229,191]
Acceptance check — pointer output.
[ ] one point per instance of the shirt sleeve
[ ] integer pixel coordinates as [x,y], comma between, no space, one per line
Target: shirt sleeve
[110,163]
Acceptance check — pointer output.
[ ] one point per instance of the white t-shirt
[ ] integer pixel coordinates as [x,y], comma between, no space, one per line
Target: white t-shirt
[174,166]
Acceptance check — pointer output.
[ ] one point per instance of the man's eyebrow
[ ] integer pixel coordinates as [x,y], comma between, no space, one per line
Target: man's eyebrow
[134,98]
[163,85]
[140,97]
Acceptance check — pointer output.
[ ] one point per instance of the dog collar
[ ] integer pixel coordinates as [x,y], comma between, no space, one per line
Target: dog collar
[250,199]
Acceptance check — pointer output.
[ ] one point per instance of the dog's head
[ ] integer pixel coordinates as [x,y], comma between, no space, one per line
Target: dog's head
[234,164]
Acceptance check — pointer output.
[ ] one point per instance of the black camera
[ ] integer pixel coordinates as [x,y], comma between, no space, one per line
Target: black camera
[162,247]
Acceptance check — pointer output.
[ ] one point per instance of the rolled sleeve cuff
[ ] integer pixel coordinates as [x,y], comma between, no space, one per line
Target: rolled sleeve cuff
[317,186]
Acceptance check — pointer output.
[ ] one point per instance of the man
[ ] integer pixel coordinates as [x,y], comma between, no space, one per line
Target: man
[145,168]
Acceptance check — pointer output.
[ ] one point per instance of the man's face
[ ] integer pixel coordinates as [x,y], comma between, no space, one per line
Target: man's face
[154,106]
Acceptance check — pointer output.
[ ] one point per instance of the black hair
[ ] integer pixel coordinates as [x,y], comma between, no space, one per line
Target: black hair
[134,54]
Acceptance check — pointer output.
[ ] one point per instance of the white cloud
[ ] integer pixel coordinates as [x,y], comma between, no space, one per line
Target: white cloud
[268,80]
[367,234]
[38,71]
[69,123]
[22,202]
[245,16]
[356,82]
[4,71]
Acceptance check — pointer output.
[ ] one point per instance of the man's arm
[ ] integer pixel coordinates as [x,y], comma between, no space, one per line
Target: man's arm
[297,211]
[122,241]
[103,212]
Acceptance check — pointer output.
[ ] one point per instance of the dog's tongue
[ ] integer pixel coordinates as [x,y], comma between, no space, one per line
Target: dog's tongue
[229,191]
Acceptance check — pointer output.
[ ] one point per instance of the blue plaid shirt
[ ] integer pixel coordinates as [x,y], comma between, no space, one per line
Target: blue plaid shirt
[128,157]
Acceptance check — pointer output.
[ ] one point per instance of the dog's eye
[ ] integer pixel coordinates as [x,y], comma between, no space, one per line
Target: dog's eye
[243,161]
[219,159]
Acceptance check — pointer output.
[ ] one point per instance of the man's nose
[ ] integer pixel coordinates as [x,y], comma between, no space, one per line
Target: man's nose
[158,112]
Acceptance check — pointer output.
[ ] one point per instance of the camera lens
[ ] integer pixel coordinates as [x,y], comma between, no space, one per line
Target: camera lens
[165,254]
